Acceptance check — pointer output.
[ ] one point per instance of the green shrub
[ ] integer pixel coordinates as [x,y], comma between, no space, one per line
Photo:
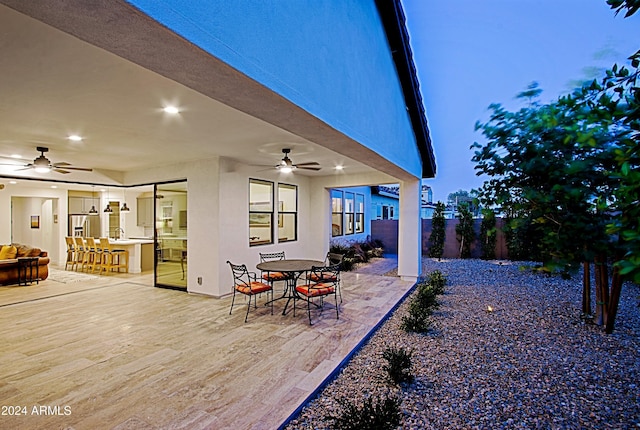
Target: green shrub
[437,237]
[417,320]
[437,280]
[488,234]
[357,252]
[464,230]
[422,304]
[398,364]
[382,415]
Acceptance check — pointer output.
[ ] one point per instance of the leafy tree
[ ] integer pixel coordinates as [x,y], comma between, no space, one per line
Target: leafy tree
[462,196]
[568,171]
[437,237]
[632,6]
[464,231]
[488,234]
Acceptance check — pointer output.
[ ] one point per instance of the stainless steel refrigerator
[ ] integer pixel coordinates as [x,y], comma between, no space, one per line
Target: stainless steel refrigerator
[84,225]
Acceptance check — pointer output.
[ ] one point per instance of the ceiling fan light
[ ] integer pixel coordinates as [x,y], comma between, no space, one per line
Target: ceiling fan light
[286,169]
[42,169]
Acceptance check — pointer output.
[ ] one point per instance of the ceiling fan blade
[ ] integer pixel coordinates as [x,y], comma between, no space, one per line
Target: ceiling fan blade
[312,163]
[55,169]
[61,164]
[308,168]
[27,167]
[11,164]
[17,160]
[84,169]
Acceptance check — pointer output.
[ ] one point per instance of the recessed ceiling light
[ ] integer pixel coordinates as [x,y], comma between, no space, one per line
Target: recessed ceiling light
[339,167]
[15,156]
[75,138]
[54,186]
[12,182]
[171,110]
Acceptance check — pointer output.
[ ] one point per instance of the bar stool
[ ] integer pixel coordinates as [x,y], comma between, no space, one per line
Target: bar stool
[71,253]
[93,256]
[79,252]
[113,258]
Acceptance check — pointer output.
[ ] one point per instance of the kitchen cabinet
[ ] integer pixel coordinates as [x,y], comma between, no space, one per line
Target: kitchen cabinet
[144,211]
[80,205]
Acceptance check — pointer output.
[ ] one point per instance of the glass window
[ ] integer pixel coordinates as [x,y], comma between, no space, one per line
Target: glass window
[359,213]
[260,212]
[336,213]
[349,213]
[287,212]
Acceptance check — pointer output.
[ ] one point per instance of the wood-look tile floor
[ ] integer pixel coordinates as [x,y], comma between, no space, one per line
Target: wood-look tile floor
[116,353]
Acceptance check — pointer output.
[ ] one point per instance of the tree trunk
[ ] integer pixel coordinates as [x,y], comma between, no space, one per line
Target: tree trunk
[614,300]
[602,289]
[586,290]
[616,288]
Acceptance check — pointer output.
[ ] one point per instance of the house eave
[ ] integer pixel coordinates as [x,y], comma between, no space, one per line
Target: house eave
[393,20]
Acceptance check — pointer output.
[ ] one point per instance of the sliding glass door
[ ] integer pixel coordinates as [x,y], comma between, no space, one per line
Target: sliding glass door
[171,235]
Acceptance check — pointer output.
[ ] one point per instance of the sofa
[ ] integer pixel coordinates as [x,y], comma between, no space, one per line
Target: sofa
[9,255]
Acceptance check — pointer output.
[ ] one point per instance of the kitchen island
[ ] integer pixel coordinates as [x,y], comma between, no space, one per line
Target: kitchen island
[141,253]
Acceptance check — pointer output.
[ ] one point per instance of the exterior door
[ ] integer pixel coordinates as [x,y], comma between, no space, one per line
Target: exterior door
[171,235]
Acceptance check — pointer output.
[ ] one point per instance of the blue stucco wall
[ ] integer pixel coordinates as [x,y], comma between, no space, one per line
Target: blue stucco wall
[346,239]
[330,57]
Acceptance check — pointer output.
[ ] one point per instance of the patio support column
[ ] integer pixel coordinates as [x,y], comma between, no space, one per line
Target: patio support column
[409,231]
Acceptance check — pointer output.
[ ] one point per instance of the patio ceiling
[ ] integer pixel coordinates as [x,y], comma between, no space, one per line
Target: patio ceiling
[53,85]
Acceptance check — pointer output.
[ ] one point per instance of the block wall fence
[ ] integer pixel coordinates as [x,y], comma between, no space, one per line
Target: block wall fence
[387,232]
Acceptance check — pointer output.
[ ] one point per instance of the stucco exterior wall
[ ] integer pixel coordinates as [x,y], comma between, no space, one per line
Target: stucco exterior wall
[329,57]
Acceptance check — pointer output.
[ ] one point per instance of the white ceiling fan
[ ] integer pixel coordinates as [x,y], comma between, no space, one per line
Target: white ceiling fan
[42,164]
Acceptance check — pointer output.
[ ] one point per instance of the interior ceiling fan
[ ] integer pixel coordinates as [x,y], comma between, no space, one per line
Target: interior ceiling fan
[287,166]
[42,164]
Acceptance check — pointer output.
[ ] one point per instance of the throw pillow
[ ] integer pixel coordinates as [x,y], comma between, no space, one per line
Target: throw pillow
[35,252]
[8,252]
[22,250]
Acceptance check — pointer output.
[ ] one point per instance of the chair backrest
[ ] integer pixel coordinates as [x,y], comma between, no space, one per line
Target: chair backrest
[91,243]
[105,246]
[70,243]
[272,256]
[240,273]
[79,242]
[333,258]
[326,274]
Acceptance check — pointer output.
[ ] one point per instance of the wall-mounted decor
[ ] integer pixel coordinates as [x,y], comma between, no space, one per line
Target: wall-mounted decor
[259,220]
[35,221]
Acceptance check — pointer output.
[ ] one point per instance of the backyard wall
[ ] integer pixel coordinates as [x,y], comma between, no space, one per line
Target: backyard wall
[387,232]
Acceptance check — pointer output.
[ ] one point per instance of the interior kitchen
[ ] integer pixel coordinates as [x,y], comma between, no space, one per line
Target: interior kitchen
[148,221]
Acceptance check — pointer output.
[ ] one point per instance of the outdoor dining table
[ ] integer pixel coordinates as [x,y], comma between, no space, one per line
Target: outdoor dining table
[294,268]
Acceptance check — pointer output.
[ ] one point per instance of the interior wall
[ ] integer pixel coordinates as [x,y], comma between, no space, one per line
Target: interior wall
[49,204]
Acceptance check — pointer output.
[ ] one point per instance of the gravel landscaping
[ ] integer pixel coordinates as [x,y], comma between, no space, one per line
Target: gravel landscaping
[530,363]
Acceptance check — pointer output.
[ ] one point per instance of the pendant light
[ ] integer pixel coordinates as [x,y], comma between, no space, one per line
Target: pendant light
[124,207]
[93,210]
[108,208]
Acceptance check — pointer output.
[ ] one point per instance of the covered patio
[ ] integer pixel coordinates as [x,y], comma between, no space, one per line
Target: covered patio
[118,353]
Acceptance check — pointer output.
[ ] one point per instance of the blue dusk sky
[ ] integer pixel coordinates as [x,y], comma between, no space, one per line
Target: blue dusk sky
[471,53]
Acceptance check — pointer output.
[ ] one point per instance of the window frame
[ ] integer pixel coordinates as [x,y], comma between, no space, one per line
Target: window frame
[359,210]
[337,213]
[269,213]
[282,213]
[349,215]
